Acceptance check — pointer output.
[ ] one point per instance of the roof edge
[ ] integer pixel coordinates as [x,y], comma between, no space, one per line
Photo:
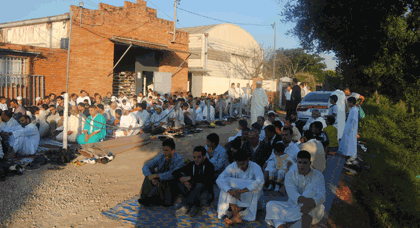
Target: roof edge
[61,17]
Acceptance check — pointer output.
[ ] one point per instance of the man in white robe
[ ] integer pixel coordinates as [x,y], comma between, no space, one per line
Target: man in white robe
[232,92]
[341,114]
[206,112]
[258,103]
[239,91]
[348,143]
[24,140]
[157,122]
[316,116]
[305,188]
[198,113]
[128,123]
[142,116]
[76,123]
[177,116]
[240,186]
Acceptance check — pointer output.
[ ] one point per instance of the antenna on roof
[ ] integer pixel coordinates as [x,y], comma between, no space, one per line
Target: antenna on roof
[81,3]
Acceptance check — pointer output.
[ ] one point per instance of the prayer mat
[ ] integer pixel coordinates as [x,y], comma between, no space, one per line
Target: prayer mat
[132,212]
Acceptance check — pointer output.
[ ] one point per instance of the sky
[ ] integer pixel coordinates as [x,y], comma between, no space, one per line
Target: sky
[256,17]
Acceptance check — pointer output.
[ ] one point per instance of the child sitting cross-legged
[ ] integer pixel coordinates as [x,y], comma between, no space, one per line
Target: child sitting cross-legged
[278,165]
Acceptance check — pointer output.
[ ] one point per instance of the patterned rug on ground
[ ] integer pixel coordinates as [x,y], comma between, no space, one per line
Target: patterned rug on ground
[131,212]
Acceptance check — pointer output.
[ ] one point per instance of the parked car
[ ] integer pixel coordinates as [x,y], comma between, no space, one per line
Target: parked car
[314,100]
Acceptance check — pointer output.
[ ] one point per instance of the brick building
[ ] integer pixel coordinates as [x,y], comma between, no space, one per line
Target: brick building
[99,38]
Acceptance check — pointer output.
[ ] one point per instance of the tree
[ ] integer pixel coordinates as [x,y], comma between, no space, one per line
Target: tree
[374,52]
[293,61]
[246,63]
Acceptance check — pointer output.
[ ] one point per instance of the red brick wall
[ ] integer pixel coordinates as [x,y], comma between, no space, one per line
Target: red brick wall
[51,63]
[92,53]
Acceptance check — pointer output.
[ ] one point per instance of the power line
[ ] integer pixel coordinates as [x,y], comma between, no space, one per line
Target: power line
[221,20]
[165,13]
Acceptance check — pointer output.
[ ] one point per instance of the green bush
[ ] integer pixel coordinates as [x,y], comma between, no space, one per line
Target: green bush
[390,188]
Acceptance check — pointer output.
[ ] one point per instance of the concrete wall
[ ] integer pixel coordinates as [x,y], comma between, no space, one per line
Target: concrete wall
[218,85]
[40,35]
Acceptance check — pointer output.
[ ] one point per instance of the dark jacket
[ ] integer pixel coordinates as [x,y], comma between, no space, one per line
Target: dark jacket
[191,169]
[296,98]
[277,138]
[261,155]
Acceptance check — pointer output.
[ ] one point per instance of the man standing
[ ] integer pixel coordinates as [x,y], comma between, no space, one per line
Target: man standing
[240,186]
[341,114]
[348,143]
[239,91]
[288,96]
[150,87]
[160,188]
[94,129]
[232,92]
[349,94]
[296,97]
[258,103]
[306,190]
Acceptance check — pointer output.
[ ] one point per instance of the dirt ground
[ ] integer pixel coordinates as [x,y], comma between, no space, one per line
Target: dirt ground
[76,196]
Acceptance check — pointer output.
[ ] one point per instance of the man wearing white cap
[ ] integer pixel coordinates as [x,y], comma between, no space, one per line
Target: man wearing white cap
[127,123]
[258,102]
[157,121]
[19,100]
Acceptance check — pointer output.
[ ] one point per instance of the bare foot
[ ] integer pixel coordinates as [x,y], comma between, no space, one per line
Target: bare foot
[237,219]
[228,222]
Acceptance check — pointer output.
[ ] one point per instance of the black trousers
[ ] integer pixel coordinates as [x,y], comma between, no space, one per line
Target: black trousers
[288,108]
[197,196]
[163,194]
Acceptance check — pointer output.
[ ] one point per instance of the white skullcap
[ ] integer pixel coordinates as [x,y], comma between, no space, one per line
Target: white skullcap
[259,82]
[113,98]
[271,112]
[38,98]
[158,106]
[127,108]
[19,98]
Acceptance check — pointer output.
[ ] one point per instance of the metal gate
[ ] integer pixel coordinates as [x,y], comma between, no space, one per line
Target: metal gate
[27,86]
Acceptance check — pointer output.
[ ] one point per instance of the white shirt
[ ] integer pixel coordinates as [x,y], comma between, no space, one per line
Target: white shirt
[120,99]
[199,114]
[311,120]
[3,107]
[81,99]
[288,95]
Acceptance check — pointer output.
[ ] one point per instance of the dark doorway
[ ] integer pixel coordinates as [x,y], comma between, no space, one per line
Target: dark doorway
[189,81]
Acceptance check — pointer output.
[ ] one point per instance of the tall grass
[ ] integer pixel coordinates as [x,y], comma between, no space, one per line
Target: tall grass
[390,188]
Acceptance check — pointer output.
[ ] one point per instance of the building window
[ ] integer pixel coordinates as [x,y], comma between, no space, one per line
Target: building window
[12,70]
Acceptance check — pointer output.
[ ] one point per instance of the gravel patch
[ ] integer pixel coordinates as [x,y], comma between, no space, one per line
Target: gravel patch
[56,198]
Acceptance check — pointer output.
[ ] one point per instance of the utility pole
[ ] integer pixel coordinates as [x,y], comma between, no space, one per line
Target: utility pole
[81,11]
[274,59]
[176,3]
[68,52]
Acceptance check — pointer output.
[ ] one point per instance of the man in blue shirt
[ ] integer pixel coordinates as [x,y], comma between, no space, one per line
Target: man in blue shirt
[216,154]
[160,187]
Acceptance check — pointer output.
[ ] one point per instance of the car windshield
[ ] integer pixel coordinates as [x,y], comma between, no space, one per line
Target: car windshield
[317,97]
